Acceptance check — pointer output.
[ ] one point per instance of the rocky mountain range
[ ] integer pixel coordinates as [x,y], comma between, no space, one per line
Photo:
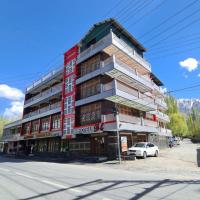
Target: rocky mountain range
[186,105]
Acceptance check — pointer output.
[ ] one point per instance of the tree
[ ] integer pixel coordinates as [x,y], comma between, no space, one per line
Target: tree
[194,123]
[178,123]
[3,122]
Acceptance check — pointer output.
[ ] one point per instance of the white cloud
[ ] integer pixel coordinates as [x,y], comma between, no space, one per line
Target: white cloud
[198,75]
[190,64]
[11,93]
[14,111]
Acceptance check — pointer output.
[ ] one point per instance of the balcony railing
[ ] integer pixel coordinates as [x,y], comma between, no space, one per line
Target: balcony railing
[112,39]
[117,69]
[161,115]
[165,132]
[43,110]
[44,78]
[45,93]
[161,103]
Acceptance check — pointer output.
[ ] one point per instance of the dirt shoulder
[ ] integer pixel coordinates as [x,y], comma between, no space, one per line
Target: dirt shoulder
[180,161]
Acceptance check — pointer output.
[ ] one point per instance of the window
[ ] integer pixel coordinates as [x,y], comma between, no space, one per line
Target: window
[70,66]
[35,126]
[89,66]
[90,88]
[69,108]
[90,113]
[45,124]
[26,128]
[56,122]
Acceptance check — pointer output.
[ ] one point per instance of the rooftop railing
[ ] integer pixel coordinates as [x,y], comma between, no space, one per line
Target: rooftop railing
[44,78]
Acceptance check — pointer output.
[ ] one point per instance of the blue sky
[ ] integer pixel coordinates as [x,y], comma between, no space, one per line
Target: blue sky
[35,34]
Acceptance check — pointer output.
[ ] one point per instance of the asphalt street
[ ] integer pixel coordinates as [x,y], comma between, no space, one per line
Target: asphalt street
[24,180]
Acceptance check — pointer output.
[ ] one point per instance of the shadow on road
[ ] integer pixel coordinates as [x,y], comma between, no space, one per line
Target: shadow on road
[113,185]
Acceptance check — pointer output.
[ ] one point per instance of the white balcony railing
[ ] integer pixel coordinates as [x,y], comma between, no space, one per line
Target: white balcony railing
[161,103]
[165,132]
[112,39]
[45,93]
[43,110]
[44,78]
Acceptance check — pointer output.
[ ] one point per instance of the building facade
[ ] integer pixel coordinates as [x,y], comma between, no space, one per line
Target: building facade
[105,86]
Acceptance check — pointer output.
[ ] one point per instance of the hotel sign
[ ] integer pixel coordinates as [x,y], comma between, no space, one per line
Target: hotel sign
[86,130]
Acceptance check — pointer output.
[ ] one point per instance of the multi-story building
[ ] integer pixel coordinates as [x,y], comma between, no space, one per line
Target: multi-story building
[105,86]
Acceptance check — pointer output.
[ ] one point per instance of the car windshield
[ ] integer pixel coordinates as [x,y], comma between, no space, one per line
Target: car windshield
[140,145]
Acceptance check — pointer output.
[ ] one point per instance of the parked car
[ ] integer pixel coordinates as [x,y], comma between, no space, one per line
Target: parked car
[144,149]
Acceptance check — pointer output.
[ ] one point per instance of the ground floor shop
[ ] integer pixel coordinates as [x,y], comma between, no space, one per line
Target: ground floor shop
[97,144]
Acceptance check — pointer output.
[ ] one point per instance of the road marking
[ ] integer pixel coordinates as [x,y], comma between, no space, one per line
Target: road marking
[54,184]
[24,175]
[5,170]
[106,199]
[75,190]
[48,182]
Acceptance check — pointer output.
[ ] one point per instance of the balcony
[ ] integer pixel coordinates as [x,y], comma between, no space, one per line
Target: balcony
[165,132]
[130,123]
[111,44]
[48,110]
[45,78]
[11,137]
[118,93]
[115,68]
[161,103]
[158,90]
[44,95]
[161,116]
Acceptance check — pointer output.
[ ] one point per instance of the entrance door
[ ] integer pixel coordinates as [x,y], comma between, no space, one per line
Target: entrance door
[98,146]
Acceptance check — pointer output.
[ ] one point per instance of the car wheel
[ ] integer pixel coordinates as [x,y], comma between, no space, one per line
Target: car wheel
[144,155]
[156,154]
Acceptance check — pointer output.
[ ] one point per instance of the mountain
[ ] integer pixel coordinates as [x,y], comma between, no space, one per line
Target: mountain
[186,105]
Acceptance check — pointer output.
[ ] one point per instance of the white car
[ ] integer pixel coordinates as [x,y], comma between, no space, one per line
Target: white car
[144,149]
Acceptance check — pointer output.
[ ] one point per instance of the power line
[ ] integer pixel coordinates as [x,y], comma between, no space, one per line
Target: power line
[169,18]
[149,12]
[175,53]
[180,29]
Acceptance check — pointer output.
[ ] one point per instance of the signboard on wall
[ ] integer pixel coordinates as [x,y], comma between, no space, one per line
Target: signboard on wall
[124,145]
[68,91]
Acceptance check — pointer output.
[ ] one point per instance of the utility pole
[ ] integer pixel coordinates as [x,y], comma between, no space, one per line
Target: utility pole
[116,113]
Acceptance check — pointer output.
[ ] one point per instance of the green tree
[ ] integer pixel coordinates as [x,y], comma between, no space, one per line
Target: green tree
[193,123]
[178,123]
[3,122]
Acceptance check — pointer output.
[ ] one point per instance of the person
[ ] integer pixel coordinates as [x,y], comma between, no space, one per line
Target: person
[170,142]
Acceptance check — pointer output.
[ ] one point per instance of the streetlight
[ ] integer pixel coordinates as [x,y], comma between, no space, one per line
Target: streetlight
[116,113]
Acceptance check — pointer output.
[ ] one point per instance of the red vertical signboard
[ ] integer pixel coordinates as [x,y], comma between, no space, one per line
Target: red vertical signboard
[69,92]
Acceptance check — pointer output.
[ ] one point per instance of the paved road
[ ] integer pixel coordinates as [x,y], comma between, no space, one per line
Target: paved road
[24,180]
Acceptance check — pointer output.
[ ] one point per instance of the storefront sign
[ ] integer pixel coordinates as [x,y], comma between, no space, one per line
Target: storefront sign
[84,130]
[124,144]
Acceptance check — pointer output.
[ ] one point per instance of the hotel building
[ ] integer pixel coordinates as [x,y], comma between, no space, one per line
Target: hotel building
[105,86]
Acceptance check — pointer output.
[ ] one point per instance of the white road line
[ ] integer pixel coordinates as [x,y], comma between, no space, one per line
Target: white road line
[48,182]
[106,199]
[5,170]
[54,184]
[75,190]
[24,175]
